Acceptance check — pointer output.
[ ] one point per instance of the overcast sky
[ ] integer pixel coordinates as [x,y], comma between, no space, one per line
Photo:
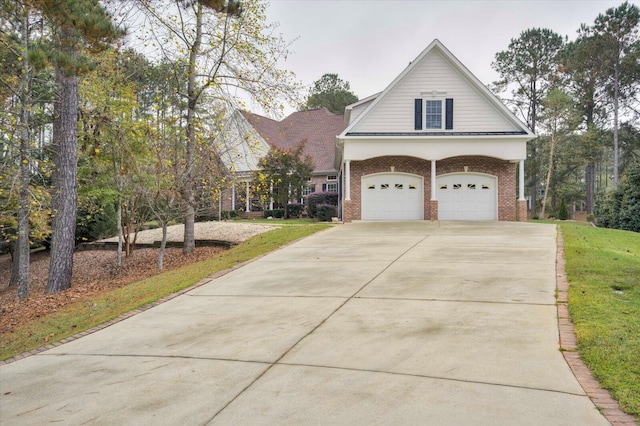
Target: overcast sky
[369,42]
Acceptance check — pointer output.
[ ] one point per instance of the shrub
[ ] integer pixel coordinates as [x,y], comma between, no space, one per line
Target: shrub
[277,213]
[315,199]
[563,213]
[294,210]
[326,212]
[621,208]
[229,214]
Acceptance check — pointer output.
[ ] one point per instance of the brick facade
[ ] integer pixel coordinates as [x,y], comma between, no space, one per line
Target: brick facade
[505,172]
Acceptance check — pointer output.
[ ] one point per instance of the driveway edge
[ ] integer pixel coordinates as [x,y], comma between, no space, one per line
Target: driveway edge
[136,311]
[601,398]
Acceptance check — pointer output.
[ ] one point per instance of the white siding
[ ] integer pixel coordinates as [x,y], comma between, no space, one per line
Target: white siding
[239,146]
[472,110]
[356,111]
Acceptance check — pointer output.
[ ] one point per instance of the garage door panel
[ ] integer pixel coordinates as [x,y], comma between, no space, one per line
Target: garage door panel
[467,196]
[392,196]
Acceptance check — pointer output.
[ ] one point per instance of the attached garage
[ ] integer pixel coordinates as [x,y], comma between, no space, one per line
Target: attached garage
[467,196]
[392,196]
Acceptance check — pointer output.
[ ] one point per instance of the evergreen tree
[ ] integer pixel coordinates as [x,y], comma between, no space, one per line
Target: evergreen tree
[529,67]
[75,24]
[330,92]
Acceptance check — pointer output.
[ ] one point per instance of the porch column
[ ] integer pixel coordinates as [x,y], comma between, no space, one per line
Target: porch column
[433,203]
[271,196]
[233,195]
[521,181]
[347,180]
[433,180]
[248,207]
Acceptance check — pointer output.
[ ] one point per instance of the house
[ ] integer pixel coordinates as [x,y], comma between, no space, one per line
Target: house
[248,137]
[436,144]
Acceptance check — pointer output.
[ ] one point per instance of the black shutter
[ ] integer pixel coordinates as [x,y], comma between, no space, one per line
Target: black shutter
[324,187]
[448,124]
[418,114]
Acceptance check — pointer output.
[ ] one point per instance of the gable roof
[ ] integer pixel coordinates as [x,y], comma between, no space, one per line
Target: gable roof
[318,128]
[436,46]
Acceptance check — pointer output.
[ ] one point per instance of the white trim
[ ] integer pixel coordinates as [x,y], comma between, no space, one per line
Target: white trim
[436,149]
[521,181]
[434,179]
[347,180]
[248,202]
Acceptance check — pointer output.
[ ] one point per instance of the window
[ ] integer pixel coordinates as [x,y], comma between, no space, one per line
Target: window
[308,189]
[437,114]
[412,186]
[443,186]
[434,115]
[384,186]
[308,179]
[332,177]
[457,186]
[471,186]
[332,187]
[371,186]
[399,186]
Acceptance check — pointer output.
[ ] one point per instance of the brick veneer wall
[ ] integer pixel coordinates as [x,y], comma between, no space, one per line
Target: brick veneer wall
[504,170]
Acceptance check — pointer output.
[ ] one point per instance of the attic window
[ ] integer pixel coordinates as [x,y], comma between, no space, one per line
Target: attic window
[438,114]
[332,177]
[434,114]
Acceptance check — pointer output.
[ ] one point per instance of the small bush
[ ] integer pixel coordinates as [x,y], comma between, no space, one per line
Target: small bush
[229,214]
[563,213]
[277,213]
[326,212]
[315,199]
[294,210]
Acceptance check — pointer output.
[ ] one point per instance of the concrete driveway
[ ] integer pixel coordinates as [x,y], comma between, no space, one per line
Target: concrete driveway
[423,323]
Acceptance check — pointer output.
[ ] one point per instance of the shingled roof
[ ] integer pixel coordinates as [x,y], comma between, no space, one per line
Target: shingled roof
[318,128]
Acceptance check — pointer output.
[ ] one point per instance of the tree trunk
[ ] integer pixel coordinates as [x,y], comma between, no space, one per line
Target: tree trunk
[590,180]
[163,244]
[65,160]
[22,244]
[119,226]
[189,196]
[616,148]
[534,180]
[549,172]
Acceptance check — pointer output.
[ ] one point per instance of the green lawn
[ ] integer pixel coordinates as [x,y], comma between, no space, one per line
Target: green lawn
[603,269]
[84,315]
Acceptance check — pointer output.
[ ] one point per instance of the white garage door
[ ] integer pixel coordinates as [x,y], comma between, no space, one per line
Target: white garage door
[466,196]
[392,196]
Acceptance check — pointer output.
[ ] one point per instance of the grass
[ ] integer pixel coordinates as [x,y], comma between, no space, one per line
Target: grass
[84,315]
[603,269]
